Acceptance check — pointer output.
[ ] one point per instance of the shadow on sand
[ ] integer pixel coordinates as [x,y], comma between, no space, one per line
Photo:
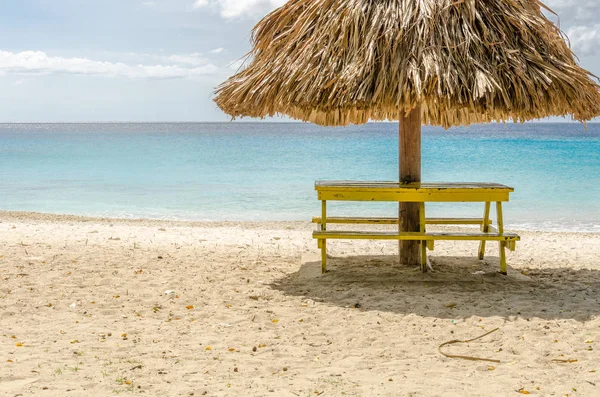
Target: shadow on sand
[459,287]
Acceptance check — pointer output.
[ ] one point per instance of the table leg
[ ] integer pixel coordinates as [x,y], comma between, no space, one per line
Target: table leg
[423,242]
[502,244]
[323,257]
[323,241]
[485,228]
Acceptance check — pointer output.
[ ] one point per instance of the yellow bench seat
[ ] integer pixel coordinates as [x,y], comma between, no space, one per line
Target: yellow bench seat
[427,236]
[394,221]
[508,240]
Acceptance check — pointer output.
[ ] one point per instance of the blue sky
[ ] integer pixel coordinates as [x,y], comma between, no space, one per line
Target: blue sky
[160,60]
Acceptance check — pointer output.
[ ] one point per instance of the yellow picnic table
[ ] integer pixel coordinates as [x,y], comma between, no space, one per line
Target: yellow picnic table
[422,193]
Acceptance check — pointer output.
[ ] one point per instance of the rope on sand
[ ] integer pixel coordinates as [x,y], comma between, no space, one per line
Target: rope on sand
[467,341]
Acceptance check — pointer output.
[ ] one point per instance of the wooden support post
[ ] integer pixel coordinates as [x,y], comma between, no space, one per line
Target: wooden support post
[410,171]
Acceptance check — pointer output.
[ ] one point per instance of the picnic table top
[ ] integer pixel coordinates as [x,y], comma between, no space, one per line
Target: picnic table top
[376,185]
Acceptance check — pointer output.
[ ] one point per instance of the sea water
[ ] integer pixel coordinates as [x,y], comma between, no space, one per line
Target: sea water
[266,171]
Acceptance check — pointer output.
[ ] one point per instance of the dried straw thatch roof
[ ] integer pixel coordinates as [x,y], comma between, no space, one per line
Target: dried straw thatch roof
[336,62]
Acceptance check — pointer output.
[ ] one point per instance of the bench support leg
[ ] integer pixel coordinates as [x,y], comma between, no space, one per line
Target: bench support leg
[423,256]
[503,258]
[502,244]
[423,247]
[323,243]
[485,227]
[323,256]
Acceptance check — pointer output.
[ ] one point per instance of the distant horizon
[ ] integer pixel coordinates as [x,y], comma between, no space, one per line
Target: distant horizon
[278,122]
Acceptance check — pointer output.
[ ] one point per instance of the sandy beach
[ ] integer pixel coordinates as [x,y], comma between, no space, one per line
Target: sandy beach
[100,307]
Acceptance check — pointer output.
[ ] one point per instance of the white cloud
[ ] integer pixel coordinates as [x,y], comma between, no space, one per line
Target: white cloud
[200,3]
[38,62]
[190,59]
[238,8]
[217,50]
[585,40]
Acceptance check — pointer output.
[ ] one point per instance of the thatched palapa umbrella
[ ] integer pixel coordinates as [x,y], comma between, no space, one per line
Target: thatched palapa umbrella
[433,62]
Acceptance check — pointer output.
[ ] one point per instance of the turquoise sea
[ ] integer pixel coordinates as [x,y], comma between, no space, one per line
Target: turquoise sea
[266,171]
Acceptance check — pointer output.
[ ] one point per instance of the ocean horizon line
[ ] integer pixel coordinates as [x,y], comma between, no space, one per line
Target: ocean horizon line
[281,122]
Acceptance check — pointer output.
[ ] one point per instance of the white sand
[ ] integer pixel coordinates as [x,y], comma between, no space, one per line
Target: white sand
[251,315]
